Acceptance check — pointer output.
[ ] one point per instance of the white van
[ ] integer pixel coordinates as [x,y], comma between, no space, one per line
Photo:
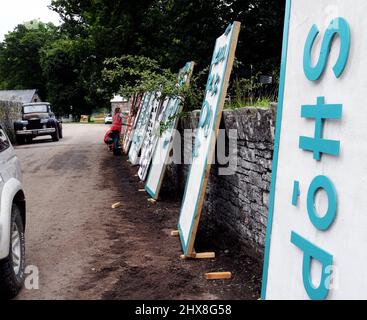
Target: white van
[12,221]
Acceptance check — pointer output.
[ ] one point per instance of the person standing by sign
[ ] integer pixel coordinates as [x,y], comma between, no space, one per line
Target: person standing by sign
[116,130]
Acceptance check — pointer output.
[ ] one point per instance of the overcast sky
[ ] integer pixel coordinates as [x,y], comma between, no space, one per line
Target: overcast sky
[13,12]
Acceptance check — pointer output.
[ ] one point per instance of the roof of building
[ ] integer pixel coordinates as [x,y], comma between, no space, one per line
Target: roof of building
[24,96]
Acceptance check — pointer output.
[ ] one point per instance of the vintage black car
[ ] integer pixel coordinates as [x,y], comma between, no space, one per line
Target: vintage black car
[37,120]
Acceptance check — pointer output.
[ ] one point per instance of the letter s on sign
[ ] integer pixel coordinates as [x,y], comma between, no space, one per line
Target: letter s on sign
[338,27]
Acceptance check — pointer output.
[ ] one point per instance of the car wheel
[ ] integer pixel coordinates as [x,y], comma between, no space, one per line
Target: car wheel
[56,135]
[12,268]
[29,140]
[20,140]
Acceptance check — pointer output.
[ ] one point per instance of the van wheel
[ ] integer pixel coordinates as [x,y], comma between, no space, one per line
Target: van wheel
[12,268]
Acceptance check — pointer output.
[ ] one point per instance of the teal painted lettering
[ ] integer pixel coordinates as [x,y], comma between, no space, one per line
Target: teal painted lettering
[311,252]
[338,27]
[322,183]
[296,193]
[321,112]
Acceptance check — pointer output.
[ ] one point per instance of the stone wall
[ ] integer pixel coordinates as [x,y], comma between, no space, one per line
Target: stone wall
[236,206]
[9,112]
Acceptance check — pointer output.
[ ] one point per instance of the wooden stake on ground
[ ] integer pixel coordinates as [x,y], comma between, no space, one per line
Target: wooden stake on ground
[175,233]
[218,276]
[116,205]
[200,256]
[141,190]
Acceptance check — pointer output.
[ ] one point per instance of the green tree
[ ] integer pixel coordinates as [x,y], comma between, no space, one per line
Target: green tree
[66,63]
[20,66]
[62,63]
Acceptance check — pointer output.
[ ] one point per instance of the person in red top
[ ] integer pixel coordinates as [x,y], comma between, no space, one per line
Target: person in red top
[116,129]
[117,121]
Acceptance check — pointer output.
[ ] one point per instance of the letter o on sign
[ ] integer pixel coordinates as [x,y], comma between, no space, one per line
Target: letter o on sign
[322,183]
[205,118]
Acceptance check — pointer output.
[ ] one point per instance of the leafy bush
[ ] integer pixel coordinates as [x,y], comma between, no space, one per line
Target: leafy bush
[133,75]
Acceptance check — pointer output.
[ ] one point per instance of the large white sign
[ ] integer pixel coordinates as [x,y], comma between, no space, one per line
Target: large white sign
[206,136]
[317,230]
[148,144]
[141,128]
[161,143]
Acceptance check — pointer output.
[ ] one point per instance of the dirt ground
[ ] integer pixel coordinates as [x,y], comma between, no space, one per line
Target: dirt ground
[86,250]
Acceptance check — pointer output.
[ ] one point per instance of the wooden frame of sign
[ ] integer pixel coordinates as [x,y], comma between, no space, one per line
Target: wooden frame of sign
[162,145]
[131,123]
[206,137]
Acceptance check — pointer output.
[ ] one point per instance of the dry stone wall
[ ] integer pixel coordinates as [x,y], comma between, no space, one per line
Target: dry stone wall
[9,112]
[236,205]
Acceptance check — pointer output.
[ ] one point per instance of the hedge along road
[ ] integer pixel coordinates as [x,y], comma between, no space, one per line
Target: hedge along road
[83,249]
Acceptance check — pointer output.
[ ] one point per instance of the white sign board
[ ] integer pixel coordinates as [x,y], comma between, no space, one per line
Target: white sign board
[161,144]
[132,121]
[141,128]
[206,136]
[317,230]
[152,132]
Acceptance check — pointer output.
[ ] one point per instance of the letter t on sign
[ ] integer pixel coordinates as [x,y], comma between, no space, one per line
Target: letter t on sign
[321,112]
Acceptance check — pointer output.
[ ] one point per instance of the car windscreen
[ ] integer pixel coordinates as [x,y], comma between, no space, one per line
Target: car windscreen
[35,109]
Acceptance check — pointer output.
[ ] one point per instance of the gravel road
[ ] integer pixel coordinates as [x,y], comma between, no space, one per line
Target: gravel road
[65,209]
[84,249]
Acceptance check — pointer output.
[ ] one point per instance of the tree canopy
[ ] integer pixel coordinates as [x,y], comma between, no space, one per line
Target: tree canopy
[20,66]
[69,63]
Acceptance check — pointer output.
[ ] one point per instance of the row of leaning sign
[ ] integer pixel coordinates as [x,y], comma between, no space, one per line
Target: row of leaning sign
[151,149]
[317,227]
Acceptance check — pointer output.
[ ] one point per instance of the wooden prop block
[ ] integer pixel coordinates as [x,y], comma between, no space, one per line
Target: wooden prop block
[199,256]
[141,190]
[152,201]
[206,135]
[218,276]
[116,205]
[175,233]
[205,255]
